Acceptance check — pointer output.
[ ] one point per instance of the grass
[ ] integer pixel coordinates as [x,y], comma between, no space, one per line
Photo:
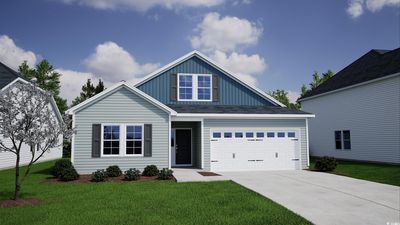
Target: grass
[156,202]
[381,173]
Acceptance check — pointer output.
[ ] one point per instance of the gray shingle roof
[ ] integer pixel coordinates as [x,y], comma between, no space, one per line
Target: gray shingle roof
[374,64]
[233,109]
[7,75]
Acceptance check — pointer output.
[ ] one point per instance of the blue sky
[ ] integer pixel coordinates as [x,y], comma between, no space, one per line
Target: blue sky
[272,44]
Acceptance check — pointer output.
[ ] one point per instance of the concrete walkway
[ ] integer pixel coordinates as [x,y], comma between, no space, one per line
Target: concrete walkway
[192,175]
[326,199]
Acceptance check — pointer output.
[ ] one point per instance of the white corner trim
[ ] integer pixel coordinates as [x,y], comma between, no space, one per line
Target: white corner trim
[241,116]
[308,144]
[216,66]
[73,140]
[349,87]
[114,88]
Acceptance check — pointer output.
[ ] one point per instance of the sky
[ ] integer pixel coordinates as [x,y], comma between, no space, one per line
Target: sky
[270,44]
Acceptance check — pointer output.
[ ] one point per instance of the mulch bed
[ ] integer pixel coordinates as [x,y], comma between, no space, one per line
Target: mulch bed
[19,202]
[209,174]
[87,179]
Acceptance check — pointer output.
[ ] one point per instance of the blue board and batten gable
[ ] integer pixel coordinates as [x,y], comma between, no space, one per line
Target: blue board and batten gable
[230,91]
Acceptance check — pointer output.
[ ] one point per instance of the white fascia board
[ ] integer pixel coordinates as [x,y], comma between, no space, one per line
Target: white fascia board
[52,101]
[241,116]
[216,66]
[114,88]
[349,87]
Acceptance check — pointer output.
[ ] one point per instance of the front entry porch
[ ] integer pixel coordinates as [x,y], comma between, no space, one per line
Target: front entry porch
[186,144]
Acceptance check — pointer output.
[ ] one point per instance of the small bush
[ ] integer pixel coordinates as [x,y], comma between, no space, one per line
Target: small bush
[113,171]
[326,164]
[132,174]
[99,176]
[69,174]
[150,171]
[165,174]
[59,166]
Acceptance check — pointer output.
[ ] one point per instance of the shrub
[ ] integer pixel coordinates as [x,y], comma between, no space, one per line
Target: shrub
[165,174]
[150,171]
[113,171]
[59,166]
[69,174]
[326,164]
[99,176]
[132,174]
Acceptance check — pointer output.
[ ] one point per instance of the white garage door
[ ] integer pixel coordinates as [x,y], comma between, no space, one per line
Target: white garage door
[254,149]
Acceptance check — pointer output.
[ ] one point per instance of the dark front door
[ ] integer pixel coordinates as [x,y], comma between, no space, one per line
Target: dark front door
[183,147]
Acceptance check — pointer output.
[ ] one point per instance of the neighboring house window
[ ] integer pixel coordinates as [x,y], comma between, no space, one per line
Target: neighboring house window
[194,87]
[342,139]
[134,140]
[346,139]
[111,142]
[338,139]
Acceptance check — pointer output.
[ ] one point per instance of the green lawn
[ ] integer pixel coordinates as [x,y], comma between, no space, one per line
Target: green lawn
[156,202]
[381,173]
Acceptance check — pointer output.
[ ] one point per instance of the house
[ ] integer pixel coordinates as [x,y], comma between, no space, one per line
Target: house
[189,113]
[8,77]
[358,110]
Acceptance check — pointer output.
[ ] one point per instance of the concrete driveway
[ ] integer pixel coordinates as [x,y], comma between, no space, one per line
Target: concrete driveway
[325,198]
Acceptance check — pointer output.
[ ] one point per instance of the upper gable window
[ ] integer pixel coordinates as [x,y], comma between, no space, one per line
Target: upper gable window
[194,87]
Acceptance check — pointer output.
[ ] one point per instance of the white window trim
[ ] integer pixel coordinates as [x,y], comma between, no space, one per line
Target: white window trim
[194,87]
[142,139]
[122,140]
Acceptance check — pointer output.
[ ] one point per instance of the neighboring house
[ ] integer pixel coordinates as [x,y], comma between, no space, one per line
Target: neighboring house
[358,110]
[189,113]
[7,159]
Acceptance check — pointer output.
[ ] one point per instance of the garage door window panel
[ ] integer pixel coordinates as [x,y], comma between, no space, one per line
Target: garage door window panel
[281,134]
[270,134]
[217,135]
[238,134]
[227,134]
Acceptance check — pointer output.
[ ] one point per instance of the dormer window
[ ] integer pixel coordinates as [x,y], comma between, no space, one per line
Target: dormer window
[194,87]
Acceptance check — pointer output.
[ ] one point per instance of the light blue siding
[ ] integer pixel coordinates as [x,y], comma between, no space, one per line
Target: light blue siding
[262,123]
[230,91]
[120,107]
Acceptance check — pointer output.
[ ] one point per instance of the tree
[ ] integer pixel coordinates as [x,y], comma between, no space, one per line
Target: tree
[46,78]
[27,118]
[88,91]
[282,97]
[317,80]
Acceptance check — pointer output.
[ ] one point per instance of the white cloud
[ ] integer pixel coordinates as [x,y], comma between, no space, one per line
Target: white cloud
[113,63]
[12,55]
[376,5]
[293,96]
[242,65]
[356,7]
[72,82]
[225,33]
[144,5]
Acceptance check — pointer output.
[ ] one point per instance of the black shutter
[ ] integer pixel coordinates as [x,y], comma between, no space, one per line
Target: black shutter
[96,138]
[148,140]
[215,96]
[174,87]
